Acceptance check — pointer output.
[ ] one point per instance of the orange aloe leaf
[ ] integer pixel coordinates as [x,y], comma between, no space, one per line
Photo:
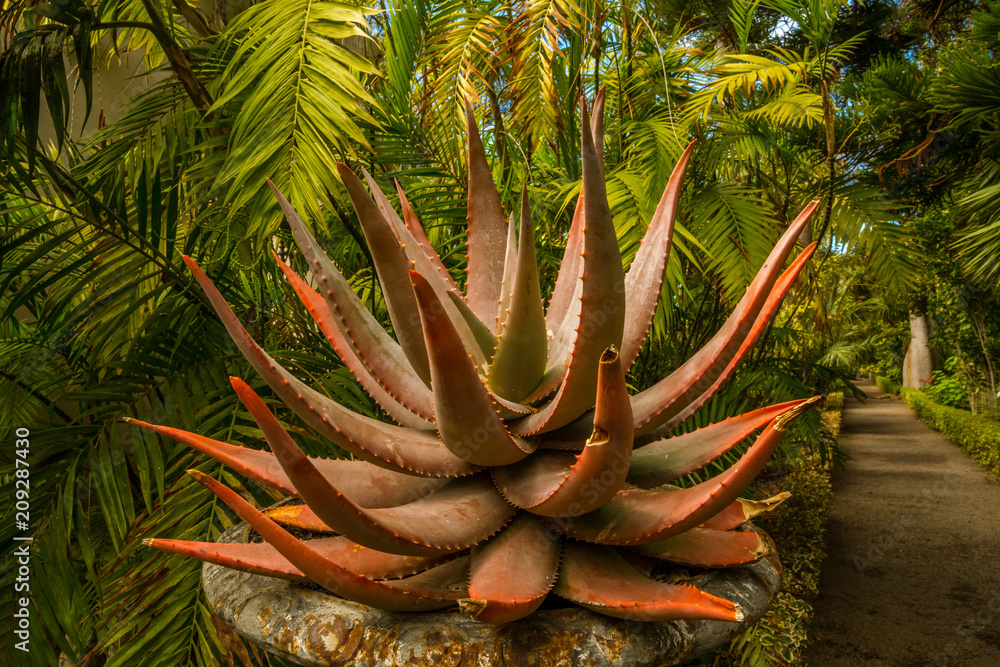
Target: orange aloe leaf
[396,530]
[416,256]
[645,275]
[664,461]
[597,578]
[487,228]
[705,547]
[564,484]
[330,327]
[658,404]
[767,313]
[386,445]
[263,558]
[512,573]
[468,420]
[597,315]
[639,516]
[569,272]
[366,484]
[377,350]
[392,266]
[417,232]
[325,572]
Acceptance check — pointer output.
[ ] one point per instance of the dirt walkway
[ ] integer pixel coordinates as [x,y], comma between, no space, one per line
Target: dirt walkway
[912,575]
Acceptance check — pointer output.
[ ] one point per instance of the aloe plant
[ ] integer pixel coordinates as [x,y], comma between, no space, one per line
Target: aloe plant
[518,465]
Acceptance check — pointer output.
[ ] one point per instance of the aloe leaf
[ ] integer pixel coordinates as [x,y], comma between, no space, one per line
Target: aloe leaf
[440,518]
[258,465]
[559,316]
[487,228]
[484,338]
[664,461]
[413,256]
[422,258]
[379,352]
[569,272]
[327,573]
[330,326]
[450,578]
[521,351]
[386,445]
[569,268]
[658,404]
[466,414]
[512,573]
[742,510]
[639,516]
[599,313]
[420,238]
[599,579]
[705,547]
[388,212]
[392,266]
[263,558]
[767,313]
[645,276]
[372,528]
[419,251]
[597,128]
[366,484]
[572,436]
[563,484]
[509,269]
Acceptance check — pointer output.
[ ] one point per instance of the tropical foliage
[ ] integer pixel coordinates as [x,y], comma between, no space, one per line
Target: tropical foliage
[536,433]
[884,110]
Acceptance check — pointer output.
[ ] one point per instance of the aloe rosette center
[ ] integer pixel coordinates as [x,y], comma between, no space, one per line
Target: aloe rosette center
[518,465]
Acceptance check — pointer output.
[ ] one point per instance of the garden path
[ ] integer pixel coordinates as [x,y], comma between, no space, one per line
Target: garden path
[912,574]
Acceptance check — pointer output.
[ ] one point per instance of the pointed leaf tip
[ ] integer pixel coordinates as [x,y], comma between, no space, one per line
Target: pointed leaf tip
[467,419]
[487,228]
[782,422]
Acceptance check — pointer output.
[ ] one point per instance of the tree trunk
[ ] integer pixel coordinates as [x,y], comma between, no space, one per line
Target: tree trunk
[919,361]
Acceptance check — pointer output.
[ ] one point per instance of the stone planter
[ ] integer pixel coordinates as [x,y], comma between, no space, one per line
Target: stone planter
[312,627]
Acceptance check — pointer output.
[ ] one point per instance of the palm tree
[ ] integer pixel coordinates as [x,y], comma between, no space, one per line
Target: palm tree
[101,323]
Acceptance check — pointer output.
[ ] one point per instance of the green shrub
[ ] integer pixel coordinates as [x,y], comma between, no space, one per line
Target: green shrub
[975,434]
[947,390]
[835,401]
[887,385]
[777,638]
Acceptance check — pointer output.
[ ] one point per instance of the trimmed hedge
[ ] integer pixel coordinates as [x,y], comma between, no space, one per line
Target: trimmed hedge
[975,434]
[887,385]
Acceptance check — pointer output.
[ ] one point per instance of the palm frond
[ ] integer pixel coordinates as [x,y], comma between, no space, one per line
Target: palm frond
[299,114]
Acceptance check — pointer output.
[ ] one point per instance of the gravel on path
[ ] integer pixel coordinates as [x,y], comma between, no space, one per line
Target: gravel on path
[912,574]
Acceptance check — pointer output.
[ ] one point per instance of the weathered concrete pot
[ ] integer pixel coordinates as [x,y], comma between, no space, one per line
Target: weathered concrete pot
[315,628]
